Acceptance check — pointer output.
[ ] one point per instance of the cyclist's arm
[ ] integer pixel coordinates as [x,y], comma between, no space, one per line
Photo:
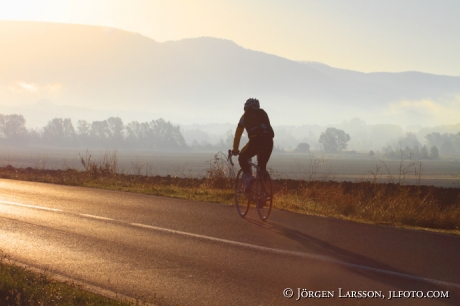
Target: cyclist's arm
[236,141]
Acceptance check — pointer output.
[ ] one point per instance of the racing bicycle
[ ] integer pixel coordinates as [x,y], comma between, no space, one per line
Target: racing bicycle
[259,192]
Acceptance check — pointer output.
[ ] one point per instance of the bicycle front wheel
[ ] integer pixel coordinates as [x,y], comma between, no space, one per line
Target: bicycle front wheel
[241,200]
[264,195]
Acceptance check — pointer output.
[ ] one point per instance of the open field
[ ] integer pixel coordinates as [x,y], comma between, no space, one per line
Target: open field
[347,167]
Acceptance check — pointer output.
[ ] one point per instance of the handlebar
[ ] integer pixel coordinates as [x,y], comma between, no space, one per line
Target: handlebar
[229,157]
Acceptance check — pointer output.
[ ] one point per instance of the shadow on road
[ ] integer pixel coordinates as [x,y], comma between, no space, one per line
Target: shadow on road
[360,264]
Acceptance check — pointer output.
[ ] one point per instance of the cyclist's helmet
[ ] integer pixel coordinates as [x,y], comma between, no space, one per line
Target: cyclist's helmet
[251,103]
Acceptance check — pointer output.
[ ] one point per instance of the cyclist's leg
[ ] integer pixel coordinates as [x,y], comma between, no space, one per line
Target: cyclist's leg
[266,145]
[266,148]
[248,151]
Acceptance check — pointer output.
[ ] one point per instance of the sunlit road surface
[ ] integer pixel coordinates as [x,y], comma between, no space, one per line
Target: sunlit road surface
[191,253]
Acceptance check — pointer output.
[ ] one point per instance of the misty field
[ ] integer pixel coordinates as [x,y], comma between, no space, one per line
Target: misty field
[315,166]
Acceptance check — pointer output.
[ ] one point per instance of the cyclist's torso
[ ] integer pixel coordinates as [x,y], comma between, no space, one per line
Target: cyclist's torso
[256,123]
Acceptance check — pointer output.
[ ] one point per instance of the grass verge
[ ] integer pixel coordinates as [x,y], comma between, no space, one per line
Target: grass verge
[21,287]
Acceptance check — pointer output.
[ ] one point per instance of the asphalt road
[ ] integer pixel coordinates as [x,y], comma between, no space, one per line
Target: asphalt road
[174,251]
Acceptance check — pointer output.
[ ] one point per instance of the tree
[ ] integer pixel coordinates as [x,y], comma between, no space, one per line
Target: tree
[447,143]
[424,152]
[166,135]
[156,134]
[116,128]
[84,129]
[334,140]
[59,131]
[13,126]
[100,132]
[434,139]
[410,141]
[139,135]
[132,130]
[434,153]
[302,147]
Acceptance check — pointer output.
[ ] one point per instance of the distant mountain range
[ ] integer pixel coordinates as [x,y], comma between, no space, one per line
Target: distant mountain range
[102,72]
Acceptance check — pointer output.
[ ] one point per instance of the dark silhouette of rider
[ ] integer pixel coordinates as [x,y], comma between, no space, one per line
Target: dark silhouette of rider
[260,133]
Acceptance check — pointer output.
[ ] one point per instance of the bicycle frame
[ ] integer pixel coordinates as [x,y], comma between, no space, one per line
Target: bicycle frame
[261,193]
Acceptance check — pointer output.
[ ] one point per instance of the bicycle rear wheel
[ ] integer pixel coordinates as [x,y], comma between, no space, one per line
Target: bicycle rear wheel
[241,200]
[264,195]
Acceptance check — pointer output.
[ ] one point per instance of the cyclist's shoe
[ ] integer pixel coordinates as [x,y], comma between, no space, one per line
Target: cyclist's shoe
[248,180]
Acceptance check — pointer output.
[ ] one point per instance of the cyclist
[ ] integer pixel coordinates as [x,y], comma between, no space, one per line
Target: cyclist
[260,133]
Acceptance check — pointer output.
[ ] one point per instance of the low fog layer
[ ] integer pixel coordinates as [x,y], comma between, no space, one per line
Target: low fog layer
[354,136]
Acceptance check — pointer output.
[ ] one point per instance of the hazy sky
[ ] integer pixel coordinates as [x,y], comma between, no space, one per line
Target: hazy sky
[362,35]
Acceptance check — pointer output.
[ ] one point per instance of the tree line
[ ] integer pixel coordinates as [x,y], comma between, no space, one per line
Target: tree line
[162,135]
[112,132]
[334,140]
[436,144]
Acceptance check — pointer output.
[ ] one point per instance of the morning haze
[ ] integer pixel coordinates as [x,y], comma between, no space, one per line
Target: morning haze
[92,73]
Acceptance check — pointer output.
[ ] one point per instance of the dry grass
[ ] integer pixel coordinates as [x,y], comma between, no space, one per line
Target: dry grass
[414,206]
[368,201]
[22,287]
